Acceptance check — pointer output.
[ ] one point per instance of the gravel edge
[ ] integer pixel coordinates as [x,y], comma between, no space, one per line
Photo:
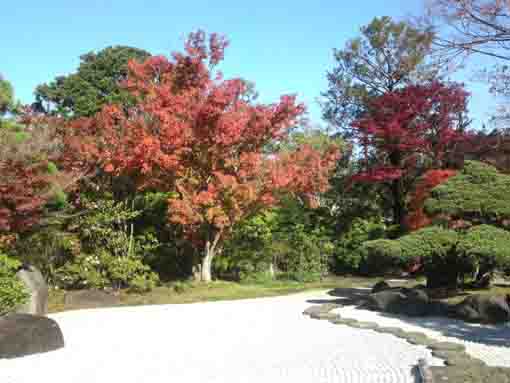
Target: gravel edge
[459,365]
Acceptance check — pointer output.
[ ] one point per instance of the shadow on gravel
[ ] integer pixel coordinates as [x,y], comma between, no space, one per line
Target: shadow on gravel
[490,335]
[344,297]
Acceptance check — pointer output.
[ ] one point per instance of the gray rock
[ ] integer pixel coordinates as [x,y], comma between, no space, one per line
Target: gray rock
[36,285]
[447,346]
[483,308]
[410,302]
[24,334]
[91,299]
[364,325]
[380,286]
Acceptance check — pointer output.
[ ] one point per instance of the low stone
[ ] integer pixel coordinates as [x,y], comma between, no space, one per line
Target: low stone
[380,286]
[410,302]
[323,315]
[483,308]
[447,346]
[25,334]
[36,286]
[391,330]
[419,340]
[365,325]
[91,299]
[344,321]
[312,309]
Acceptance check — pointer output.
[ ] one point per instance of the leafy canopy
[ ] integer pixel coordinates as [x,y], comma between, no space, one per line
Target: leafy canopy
[479,193]
[97,82]
[386,56]
[198,136]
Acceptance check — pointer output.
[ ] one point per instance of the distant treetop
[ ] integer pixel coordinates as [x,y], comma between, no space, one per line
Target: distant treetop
[95,84]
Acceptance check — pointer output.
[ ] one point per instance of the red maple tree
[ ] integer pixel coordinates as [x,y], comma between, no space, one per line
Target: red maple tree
[202,138]
[28,175]
[408,131]
[417,218]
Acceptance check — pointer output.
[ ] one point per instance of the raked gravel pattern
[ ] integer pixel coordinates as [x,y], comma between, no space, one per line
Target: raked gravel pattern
[259,340]
[489,343]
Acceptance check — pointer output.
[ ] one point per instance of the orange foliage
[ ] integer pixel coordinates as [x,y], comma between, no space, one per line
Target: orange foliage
[201,137]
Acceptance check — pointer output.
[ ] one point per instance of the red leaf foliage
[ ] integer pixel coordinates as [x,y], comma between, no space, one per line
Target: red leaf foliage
[409,127]
[198,135]
[418,219]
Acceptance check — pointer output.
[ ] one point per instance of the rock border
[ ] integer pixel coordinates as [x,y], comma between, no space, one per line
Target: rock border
[459,365]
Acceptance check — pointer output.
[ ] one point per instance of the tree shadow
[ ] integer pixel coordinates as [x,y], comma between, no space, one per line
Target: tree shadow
[490,335]
[344,297]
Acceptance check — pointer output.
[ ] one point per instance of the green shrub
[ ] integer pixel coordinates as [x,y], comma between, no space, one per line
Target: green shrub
[433,241]
[486,248]
[479,193]
[248,254]
[12,291]
[48,249]
[111,254]
[307,255]
[486,241]
[347,257]
[254,272]
[380,256]
[181,287]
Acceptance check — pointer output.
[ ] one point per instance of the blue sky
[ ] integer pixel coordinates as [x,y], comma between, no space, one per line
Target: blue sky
[283,46]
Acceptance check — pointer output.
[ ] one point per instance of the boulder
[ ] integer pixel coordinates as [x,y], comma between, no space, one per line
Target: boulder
[380,286]
[91,299]
[410,302]
[35,284]
[25,334]
[483,308]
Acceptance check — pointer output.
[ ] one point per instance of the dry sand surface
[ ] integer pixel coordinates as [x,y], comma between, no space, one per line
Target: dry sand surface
[258,340]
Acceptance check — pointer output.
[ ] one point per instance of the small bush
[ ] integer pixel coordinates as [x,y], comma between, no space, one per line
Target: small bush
[347,257]
[12,291]
[380,256]
[110,254]
[181,287]
[307,257]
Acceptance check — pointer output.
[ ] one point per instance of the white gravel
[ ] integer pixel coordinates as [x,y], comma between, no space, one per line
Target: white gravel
[259,340]
[488,343]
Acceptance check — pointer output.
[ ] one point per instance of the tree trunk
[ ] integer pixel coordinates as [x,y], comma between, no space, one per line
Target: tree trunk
[271,270]
[211,249]
[399,213]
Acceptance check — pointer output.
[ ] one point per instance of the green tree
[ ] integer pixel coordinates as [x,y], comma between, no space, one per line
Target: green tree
[477,195]
[6,96]
[94,84]
[386,56]
[474,205]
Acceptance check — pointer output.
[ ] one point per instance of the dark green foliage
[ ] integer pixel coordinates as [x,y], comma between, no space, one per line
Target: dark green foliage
[173,257]
[12,291]
[479,194]
[380,256]
[306,257]
[247,255]
[97,249]
[95,83]
[448,256]
[428,242]
[293,239]
[347,257]
[486,247]
[48,249]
